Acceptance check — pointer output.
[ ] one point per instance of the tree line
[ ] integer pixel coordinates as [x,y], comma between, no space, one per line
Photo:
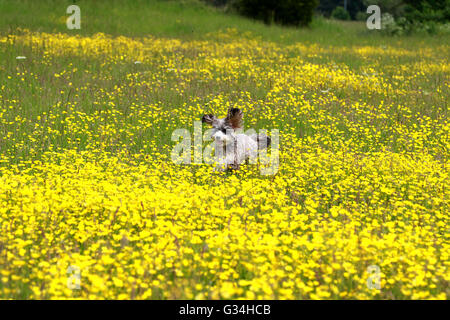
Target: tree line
[406,14]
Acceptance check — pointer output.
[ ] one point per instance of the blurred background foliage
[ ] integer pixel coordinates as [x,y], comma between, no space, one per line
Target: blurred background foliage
[400,16]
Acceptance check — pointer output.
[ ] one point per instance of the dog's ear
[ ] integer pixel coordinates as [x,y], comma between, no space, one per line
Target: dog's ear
[234,117]
[208,118]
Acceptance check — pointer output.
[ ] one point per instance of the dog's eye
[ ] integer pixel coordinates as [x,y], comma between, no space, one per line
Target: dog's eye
[223,130]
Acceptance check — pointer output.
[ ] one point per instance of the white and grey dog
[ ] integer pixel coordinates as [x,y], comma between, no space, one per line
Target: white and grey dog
[234,148]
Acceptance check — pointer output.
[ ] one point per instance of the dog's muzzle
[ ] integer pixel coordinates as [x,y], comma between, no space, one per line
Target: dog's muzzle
[221,138]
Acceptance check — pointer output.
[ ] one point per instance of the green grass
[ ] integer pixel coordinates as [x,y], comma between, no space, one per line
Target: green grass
[178,19]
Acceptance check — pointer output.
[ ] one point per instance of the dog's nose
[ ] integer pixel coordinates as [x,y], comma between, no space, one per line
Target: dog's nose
[217,136]
[220,138]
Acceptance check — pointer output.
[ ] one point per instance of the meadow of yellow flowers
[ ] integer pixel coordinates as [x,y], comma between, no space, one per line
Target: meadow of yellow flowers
[91,206]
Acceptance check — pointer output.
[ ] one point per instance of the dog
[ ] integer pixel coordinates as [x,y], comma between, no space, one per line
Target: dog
[233,148]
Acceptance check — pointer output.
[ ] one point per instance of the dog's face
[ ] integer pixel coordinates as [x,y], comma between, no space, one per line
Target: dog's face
[223,129]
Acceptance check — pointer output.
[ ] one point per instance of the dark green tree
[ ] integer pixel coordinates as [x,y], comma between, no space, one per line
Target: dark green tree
[340,13]
[353,7]
[286,12]
[393,7]
[423,11]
